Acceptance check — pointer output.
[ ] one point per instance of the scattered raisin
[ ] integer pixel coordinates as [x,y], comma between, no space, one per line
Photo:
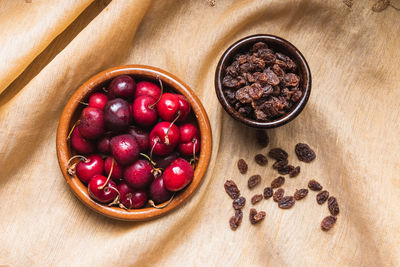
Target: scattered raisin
[236,220]
[231,189]
[268,192]
[314,185]
[261,159]
[333,206]
[278,154]
[239,203]
[278,194]
[280,163]
[294,172]
[286,169]
[304,152]
[255,216]
[322,197]
[328,222]
[253,181]
[300,194]
[256,198]
[278,182]
[286,202]
[242,166]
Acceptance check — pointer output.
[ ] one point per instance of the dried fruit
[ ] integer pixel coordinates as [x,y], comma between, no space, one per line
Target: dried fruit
[328,222]
[278,194]
[286,202]
[278,154]
[236,220]
[242,166]
[300,194]
[322,197]
[304,152]
[278,182]
[280,164]
[231,189]
[314,185]
[262,138]
[286,169]
[261,159]
[239,203]
[333,206]
[255,216]
[294,172]
[253,181]
[256,198]
[268,192]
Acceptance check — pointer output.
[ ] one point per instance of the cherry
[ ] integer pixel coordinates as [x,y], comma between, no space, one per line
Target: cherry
[91,125]
[164,161]
[117,171]
[139,175]
[131,198]
[98,100]
[125,149]
[158,192]
[178,175]
[86,169]
[160,142]
[168,106]
[80,144]
[190,141]
[144,110]
[147,88]
[103,145]
[100,192]
[142,138]
[184,108]
[117,114]
[122,87]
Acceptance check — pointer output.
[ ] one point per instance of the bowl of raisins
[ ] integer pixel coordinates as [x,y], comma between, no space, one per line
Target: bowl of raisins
[263,81]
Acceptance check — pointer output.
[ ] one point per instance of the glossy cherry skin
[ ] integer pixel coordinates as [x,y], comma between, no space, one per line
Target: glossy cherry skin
[142,138]
[184,108]
[158,192]
[131,198]
[98,100]
[168,106]
[80,144]
[125,149]
[117,114]
[178,175]
[165,161]
[105,195]
[118,170]
[103,145]
[190,140]
[85,170]
[143,113]
[158,140]
[91,125]
[147,88]
[139,175]
[122,87]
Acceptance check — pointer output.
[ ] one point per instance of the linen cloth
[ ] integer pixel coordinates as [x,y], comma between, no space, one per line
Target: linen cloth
[48,48]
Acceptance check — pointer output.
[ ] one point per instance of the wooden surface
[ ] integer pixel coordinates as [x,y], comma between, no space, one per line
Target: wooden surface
[351,120]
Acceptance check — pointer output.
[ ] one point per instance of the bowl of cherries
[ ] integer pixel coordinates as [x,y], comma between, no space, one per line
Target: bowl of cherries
[133,142]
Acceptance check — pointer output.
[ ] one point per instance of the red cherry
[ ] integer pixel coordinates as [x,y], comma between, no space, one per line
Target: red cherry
[158,192]
[125,149]
[168,106]
[165,161]
[184,107]
[102,194]
[86,169]
[144,111]
[142,138]
[147,88]
[91,125]
[178,175]
[117,114]
[139,175]
[117,172]
[103,146]
[160,143]
[80,144]
[131,198]
[122,87]
[98,100]
[190,140]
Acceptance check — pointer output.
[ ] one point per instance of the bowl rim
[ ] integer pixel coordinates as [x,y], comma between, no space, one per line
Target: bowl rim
[229,53]
[64,152]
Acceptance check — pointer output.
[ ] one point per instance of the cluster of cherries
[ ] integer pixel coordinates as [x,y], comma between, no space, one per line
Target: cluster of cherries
[131,147]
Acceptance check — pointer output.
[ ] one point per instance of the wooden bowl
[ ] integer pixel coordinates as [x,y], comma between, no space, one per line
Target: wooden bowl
[279,45]
[71,114]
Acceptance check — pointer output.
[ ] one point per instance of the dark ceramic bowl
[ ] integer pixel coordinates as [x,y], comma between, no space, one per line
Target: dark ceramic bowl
[278,45]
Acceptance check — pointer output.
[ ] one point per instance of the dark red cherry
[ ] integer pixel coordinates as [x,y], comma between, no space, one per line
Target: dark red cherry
[139,175]
[190,141]
[80,144]
[98,100]
[158,192]
[178,175]
[103,145]
[125,149]
[118,170]
[91,125]
[147,88]
[142,138]
[160,142]
[168,106]
[117,115]
[122,87]
[102,194]
[86,169]
[131,198]
[165,161]
[184,108]
[144,111]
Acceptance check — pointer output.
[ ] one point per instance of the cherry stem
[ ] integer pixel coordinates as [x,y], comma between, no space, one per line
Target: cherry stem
[149,158]
[151,202]
[104,89]
[116,200]
[152,148]
[193,161]
[172,123]
[162,91]
[71,169]
[108,177]
[72,129]
[83,103]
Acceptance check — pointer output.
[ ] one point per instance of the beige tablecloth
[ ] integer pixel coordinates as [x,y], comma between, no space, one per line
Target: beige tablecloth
[48,48]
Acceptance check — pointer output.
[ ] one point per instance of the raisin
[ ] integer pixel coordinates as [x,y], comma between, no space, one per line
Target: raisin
[327,223]
[255,216]
[244,110]
[268,192]
[278,182]
[296,96]
[278,70]
[259,45]
[291,79]
[255,91]
[281,56]
[304,152]
[278,154]
[231,189]
[314,185]
[267,55]
[286,202]
[294,172]
[281,63]
[239,203]
[260,115]
[278,194]
[256,198]
[300,194]
[262,78]
[261,159]
[253,181]
[333,206]
[230,82]
[290,64]
[273,79]
[236,220]
[286,169]
[242,166]
[267,90]
[233,69]
[249,77]
[243,95]
[280,163]
[322,197]
[262,138]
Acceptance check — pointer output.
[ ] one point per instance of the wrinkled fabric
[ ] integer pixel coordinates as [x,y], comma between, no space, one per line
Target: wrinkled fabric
[49,48]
